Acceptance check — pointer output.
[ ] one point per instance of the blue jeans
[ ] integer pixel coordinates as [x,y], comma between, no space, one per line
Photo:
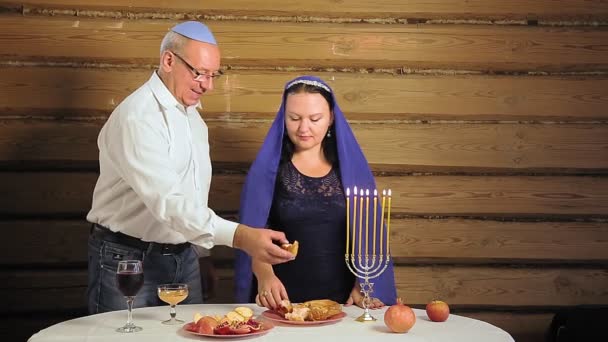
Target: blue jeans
[103,293]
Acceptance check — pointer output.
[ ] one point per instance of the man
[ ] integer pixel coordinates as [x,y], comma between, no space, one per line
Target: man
[150,202]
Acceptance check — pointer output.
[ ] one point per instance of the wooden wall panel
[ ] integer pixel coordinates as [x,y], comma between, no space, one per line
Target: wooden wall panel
[518,287]
[409,147]
[497,286]
[509,146]
[66,194]
[95,92]
[50,140]
[461,286]
[486,118]
[413,241]
[467,241]
[259,44]
[42,290]
[496,196]
[44,243]
[417,10]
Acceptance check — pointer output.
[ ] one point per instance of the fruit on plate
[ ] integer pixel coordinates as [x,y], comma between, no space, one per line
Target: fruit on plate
[238,328]
[202,324]
[244,311]
[197,316]
[399,318]
[234,316]
[236,322]
[206,326]
[438,311]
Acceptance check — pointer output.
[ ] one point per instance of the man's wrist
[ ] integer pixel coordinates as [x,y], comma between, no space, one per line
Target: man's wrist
[238,232]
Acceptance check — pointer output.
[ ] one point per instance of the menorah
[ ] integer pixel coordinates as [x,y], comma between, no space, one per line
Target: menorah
[362,263]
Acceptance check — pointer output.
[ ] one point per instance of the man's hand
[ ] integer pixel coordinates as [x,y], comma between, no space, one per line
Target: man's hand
[258,243]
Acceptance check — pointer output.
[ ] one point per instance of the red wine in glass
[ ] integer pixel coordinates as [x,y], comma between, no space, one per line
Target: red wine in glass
[130,278]
[129,283]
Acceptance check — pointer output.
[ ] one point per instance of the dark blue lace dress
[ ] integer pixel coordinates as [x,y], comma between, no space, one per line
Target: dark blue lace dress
[313,211]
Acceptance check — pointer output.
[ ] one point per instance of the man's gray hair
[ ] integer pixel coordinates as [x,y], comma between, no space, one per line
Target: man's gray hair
[173,41]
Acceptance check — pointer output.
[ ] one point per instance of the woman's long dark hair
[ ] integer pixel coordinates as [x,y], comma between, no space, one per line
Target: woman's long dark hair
[328,145]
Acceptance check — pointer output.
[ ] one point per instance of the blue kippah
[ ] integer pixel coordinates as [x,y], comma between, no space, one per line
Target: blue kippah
[195,30]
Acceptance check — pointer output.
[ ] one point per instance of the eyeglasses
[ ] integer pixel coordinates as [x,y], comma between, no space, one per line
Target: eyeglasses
[199,76]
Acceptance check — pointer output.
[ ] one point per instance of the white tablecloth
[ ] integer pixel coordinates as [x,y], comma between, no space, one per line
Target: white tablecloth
[102,327]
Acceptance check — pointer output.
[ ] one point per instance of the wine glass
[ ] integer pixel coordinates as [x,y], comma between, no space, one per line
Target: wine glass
[130,278]
[172,294]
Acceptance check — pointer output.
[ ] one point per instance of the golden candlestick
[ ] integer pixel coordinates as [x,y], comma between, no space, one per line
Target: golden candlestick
[388,224]
[360,219]
[382,219]
[375,220]
[347,218]
[366,223]
[364,268]
[354,220]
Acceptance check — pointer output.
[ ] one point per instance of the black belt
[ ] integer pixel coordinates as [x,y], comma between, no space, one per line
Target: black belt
[102,233]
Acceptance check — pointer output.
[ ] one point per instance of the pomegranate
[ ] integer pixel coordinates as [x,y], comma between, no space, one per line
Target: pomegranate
[399,318]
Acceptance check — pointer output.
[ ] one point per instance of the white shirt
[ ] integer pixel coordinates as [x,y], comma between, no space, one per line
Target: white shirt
[155,172]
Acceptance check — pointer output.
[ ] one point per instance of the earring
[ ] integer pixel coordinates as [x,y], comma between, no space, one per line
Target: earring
[329,133]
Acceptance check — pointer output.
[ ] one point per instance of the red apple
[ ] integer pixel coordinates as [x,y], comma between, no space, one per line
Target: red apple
[438,311]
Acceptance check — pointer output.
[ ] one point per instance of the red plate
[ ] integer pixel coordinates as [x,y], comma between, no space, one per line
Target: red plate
[266,326]
[273,316]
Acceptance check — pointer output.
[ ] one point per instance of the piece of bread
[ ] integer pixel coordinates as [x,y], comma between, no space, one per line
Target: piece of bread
[322,309]
[298,314]
[312,310]
[284,307]
[291,247]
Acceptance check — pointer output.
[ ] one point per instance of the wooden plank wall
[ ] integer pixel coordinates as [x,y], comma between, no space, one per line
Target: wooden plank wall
[488,119]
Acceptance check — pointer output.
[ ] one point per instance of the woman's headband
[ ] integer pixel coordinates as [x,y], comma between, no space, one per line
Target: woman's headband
[309,82]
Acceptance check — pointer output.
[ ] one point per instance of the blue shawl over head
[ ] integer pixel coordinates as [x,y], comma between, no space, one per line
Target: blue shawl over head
[257,194]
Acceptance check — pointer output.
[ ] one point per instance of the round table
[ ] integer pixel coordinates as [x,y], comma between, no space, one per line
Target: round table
[101,327]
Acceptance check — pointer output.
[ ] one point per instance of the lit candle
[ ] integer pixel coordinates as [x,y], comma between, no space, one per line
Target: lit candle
[354,223]
[382,221]
[360,218]
[347,218]
[388,225]
[366,223]
[375,226]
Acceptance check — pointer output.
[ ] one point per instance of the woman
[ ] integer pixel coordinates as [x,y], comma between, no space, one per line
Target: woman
[296,184]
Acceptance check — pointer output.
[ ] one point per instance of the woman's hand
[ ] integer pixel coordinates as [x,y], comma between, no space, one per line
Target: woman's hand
[357,298]
[270,292]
